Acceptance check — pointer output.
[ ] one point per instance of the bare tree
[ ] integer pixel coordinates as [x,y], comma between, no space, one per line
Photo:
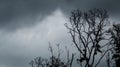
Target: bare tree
[88,32]
[53,61]
[115,42]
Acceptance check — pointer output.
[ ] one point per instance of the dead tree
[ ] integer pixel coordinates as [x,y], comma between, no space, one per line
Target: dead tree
[88,30]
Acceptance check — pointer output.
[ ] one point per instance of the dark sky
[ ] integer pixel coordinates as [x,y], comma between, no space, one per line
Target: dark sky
[21,13]
[26,26]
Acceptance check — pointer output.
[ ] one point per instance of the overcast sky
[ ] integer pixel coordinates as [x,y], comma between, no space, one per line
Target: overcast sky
[27,26]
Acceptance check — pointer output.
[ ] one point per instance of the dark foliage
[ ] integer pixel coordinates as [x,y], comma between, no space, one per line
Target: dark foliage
[115,42]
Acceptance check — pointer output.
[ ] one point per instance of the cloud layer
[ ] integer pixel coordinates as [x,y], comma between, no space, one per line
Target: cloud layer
[26,26]
[19,47]
[16,14]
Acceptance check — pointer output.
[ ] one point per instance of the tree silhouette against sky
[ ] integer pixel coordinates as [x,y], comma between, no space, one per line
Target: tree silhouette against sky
[89,33]
[53,60]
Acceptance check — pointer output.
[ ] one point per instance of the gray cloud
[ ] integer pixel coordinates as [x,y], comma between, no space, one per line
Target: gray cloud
[18,13]
[21,13]
[29,40]
[19,47]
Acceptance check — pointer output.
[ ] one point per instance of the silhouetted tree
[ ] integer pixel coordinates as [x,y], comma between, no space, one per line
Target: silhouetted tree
[89,35]
[115,42]
[88,32]
[53,61]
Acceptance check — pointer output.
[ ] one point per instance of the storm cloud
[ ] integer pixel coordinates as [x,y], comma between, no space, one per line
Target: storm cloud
[15,14]
[20,13]
[26,26]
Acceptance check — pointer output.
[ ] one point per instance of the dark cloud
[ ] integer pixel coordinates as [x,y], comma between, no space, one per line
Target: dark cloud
[111,5]
[21,13]
[17,14]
